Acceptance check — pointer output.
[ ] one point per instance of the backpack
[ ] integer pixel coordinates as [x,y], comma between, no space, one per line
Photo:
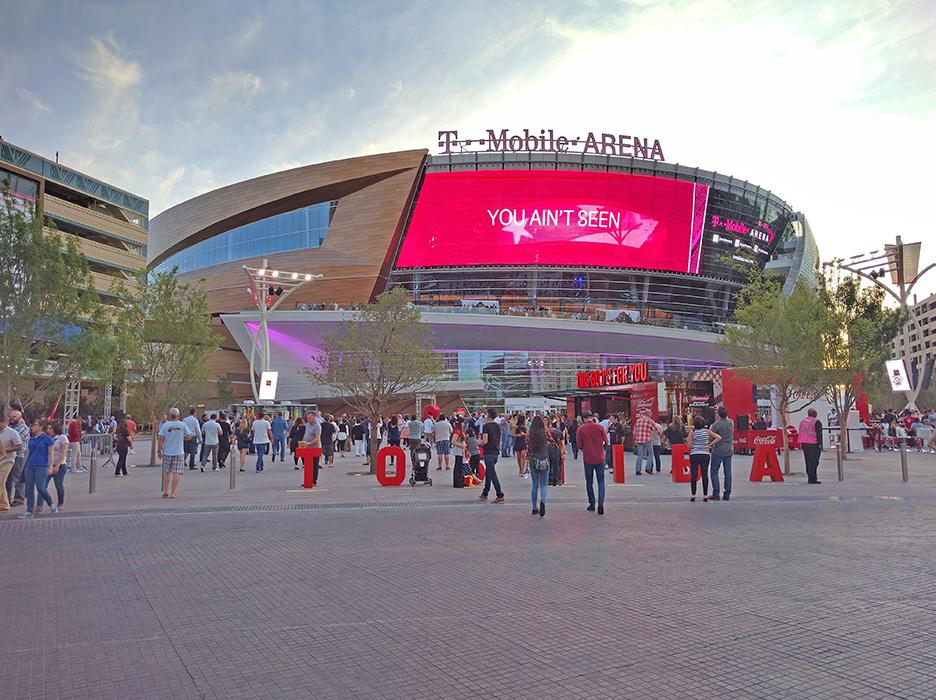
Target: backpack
[540,465]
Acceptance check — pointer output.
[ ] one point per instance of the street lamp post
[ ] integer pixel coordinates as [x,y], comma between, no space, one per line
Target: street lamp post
[269,288]
[902,261]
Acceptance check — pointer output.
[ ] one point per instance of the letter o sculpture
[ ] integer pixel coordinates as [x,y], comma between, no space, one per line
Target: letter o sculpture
[383,456]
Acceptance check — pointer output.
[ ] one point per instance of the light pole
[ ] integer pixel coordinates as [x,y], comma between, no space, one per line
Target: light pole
[902,261]
[268,289]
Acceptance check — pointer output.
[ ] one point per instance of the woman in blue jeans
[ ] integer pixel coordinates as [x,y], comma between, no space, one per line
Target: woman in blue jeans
[539,464]
[37,470]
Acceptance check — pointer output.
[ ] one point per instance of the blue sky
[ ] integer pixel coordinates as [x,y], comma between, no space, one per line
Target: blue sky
[830,105]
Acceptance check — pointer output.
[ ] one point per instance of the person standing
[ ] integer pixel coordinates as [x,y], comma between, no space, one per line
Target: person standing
[810,438]
[591,439]
[194,430]
[280,428]
[262,437]
[615,437]
[506,437]
[427,427]
[242,437]
[173,434]
[131,429]
[539,465]
[490,443]
[312,437]
[358,437]
[415,436]
[442,436]
[38,469]
[122,444]
[644,428]
[722,452]
[701,441]
[74,445]
[295,437]
[59,460]
[224,445]
[656,446]
[329,430]
[10,446]
[211,433]
[16,482]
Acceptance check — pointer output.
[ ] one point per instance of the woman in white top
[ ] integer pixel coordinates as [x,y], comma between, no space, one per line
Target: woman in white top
[701,441]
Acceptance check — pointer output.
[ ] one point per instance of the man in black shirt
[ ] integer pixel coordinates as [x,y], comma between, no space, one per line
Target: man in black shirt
[490,447]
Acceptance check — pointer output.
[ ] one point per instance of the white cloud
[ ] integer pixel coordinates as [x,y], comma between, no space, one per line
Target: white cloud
[103,65]
[167,184]
[230,85]
[33,100]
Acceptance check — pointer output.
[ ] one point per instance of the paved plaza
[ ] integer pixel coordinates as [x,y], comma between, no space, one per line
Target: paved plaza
[787,591]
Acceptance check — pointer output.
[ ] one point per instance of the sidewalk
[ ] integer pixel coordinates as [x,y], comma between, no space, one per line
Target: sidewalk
[867,475]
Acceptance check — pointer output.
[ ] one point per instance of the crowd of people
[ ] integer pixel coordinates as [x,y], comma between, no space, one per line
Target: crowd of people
[889,429]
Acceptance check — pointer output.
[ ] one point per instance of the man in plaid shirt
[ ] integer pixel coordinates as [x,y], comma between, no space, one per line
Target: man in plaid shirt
[591,440]
[644,428]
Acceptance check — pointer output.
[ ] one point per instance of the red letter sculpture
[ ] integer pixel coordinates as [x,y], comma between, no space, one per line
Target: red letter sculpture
[681,465]
[307,455]
[617,458]
[382,456]
[765,461]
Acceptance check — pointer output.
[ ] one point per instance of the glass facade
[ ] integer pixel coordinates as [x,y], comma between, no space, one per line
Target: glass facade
[22,190]
[292,230]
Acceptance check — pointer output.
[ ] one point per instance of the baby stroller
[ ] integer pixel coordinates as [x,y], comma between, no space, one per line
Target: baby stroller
[422,457]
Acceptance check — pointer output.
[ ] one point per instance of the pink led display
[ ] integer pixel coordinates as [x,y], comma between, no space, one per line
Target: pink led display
[542,217]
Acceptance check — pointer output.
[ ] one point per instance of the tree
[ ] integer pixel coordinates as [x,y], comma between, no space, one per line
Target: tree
[382,353]
[166,335]
[856,343]
[776,340]
[225,391]
[49,311]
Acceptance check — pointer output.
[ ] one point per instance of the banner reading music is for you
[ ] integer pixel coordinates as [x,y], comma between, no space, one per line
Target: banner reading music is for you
[522,217]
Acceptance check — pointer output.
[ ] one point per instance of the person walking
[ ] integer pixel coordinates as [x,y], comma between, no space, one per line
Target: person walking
[520,445]
[191,445]
[59,460]
[224,444]
[242,436]
[329,430]
[173,434]
[211,435]
[490,443]
[591,439]
[414,439]
[74,445]
[37,469]
[644,428]
[539,465]
[123,441]
[262,437]
[442,436]
[280,428]
[16,481]
[721,453]
[810,439]
[701,441]
[10,446]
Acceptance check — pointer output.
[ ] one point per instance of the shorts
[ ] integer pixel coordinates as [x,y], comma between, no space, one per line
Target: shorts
[443,447]
[173,464]
[328,449]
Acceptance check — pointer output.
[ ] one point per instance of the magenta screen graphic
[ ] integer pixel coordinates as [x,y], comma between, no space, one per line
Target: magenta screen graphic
[542,217]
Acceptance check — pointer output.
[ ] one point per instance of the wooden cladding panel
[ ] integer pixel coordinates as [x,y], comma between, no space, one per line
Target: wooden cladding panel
[364,230]
[235,205]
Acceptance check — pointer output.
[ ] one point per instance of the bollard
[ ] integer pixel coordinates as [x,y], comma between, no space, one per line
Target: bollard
[903,462]
[92,472]
[231,476]
[839,463]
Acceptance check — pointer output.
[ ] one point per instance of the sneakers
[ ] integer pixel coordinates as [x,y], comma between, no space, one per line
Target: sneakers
[54,508]
[499,499]
[483,497]
[601,509]
[726,497]
[535,511]
[25,516]
[542,509]
[590,509]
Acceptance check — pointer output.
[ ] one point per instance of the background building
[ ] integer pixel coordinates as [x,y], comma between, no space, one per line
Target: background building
[108,224]
[916,345]
[532,268]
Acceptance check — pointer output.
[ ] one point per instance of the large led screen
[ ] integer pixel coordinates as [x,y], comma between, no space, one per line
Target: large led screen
[543,217]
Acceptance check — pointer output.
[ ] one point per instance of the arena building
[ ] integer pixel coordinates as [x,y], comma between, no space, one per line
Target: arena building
[535,269]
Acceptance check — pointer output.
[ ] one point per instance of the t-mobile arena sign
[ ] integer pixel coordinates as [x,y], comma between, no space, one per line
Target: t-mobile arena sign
[547,141]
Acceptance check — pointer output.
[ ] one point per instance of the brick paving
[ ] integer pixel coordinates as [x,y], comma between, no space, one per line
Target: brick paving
[789,591]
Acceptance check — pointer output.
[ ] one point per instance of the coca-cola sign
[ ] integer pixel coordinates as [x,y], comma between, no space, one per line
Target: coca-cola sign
[613,376]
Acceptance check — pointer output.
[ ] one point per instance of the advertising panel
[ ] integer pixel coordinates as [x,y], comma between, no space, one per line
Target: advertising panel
[897,373]
[548,217]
